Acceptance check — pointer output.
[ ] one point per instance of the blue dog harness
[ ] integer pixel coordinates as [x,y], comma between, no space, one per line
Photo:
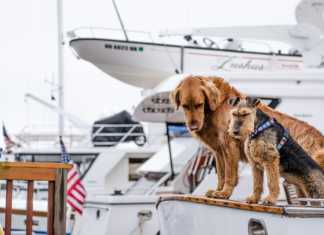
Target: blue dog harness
[265,125]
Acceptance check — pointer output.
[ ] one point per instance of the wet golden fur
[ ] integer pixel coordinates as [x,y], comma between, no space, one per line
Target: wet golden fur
[205,103]
[212,118]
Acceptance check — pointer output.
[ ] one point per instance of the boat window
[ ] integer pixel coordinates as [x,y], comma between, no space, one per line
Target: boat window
[134,162]
[178,130]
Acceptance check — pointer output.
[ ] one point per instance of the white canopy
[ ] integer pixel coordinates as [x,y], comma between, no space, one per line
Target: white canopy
[157,106]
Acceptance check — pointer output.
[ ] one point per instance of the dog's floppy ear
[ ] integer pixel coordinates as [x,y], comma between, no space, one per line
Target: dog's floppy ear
[253,102]
[175,96]
[211,93]
[234,101]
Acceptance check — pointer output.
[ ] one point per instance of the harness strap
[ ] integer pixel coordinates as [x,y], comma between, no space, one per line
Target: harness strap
[283,140]
[262,127]
[265,126]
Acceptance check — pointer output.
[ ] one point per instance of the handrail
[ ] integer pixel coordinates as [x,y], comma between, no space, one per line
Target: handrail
[130,132]
[318,202]
[55,174]
[93,32]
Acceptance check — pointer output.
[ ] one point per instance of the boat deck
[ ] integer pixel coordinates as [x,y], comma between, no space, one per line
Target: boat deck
[282,208]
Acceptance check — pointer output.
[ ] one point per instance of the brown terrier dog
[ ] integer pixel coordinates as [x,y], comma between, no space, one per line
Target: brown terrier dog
[270,148]
[207,114]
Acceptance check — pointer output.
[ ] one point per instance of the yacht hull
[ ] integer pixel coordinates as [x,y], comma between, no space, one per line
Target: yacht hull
[205,216]
[146,65]
[119,215]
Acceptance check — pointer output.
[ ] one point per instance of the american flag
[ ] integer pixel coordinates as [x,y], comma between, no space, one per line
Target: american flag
[65,157]
[76,192]
[9,143]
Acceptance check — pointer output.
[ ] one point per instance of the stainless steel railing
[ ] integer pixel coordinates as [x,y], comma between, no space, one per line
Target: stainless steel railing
[123,133]
[112,33]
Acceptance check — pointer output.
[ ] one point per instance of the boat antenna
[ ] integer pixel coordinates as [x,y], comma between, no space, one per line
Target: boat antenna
[120,19]
[60,65]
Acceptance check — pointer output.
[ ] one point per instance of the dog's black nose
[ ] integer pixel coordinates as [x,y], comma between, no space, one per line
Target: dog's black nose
[236,132]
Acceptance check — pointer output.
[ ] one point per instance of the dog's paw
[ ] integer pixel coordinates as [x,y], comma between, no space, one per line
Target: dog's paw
[220,187]
[221,194]
[210,193]
[269,201]
[252,199]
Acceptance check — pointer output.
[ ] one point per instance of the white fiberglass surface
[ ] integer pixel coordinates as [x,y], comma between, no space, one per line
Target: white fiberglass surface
[182,150]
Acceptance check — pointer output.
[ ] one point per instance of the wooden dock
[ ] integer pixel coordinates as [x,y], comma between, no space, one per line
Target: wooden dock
[55,174]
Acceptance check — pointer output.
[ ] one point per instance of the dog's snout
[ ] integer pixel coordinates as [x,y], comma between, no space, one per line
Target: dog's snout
[236,132]
[236,129]
[193,126]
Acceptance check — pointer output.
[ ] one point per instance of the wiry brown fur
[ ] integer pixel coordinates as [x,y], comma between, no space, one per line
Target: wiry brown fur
[306,135]
[213,125]
[319,157]
[292,162]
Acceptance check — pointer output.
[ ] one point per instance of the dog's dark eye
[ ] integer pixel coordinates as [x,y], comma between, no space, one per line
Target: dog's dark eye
[197,106]
[185,106]
[244,114]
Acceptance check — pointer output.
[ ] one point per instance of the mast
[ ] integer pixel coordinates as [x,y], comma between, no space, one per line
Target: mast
[60,66]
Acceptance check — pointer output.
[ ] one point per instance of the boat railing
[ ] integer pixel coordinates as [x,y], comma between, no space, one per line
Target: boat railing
[55,174]
[111,33]
[139,35]
[317,202]
[121,133]
[293,198]
[38,136]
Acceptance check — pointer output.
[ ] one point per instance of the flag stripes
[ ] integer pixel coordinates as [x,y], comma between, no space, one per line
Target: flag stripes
[76,192]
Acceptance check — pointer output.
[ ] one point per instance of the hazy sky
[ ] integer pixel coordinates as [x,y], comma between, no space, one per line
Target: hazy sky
[28,49]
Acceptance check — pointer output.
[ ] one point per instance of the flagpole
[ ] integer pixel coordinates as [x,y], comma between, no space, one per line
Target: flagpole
[60,66]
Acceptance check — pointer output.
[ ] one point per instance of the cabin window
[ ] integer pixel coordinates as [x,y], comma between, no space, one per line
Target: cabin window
[133,164]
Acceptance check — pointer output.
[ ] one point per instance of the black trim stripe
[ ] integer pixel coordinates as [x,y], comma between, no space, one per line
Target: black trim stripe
[178,46]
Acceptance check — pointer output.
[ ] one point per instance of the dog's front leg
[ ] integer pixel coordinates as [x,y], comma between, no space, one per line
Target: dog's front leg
[257,184]
[220,167]
[273,175]
[220,171]
[231,174]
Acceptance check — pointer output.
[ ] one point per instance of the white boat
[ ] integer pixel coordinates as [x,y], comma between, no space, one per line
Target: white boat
[282,90]
[285,91]
[282,80]
[115,194]
[114,177]
[192,215]
[146,64]
[196,214]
